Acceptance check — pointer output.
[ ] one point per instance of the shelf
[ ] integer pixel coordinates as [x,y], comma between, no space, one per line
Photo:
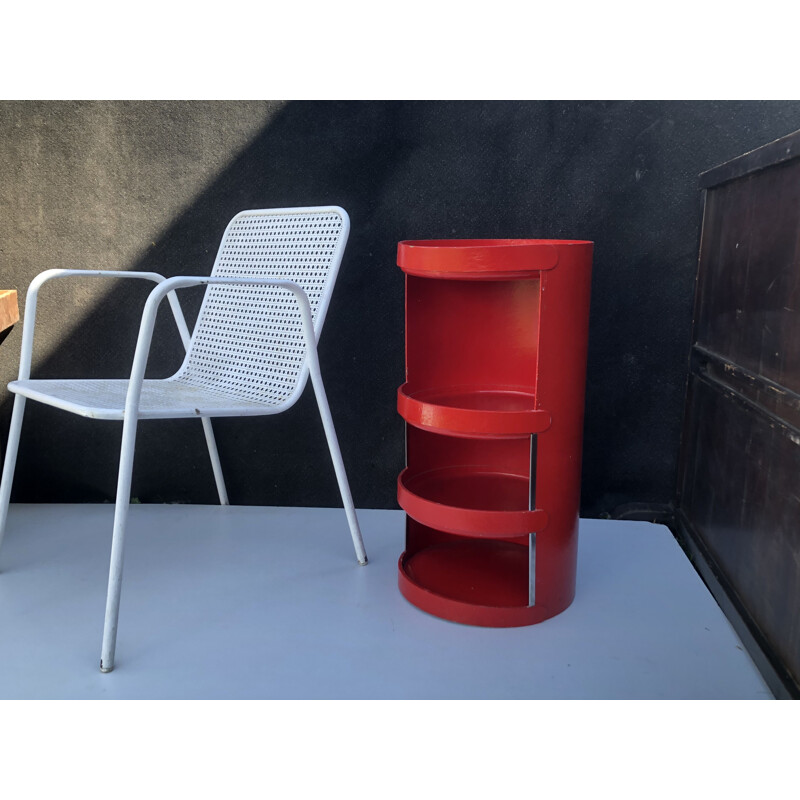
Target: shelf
[478,259]
[470,411]
[470,501]
[473,582]
[495,355]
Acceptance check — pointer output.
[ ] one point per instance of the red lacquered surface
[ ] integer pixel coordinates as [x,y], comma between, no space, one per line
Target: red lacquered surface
[470,583]
[470,501]
[495,352]
[448,345]
[463,411]
[477,259]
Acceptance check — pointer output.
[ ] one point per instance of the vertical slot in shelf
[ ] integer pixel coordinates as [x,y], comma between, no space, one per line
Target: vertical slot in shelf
[532,534]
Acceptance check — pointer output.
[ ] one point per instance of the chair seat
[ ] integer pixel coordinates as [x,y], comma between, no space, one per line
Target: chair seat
[160,399]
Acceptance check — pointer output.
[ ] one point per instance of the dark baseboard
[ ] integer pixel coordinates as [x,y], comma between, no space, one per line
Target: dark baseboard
[775,674]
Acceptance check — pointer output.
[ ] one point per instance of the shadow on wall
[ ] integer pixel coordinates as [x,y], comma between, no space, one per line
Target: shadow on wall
[622,174]
[305,156]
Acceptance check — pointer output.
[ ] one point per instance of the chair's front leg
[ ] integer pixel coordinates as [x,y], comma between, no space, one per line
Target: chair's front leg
[10,461]
[336,456]
[129,424]
[118,543]
[312,360]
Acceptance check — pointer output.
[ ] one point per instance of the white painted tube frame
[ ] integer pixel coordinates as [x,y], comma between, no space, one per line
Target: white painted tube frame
[165,288]
[131,419]
[26,357]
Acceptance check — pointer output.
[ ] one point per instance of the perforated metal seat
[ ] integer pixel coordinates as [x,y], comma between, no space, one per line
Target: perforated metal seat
[164,399]
[251,352]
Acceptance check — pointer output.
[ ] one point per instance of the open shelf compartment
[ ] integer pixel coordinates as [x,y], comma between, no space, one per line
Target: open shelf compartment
[471,581]
[480,487]
[496,335]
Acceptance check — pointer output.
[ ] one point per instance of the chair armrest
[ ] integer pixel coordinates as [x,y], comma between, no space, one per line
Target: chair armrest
[168,286]
[183,281]
[49,274]
[31,298]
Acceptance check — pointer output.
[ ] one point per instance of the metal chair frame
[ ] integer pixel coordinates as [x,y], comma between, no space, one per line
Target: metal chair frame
[302,323]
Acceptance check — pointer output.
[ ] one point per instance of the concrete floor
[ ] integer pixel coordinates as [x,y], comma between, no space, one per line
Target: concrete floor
[251,602]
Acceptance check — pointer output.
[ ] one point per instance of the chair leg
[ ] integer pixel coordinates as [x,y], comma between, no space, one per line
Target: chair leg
[10,461]
[338,465]
[215,463]
[118,544]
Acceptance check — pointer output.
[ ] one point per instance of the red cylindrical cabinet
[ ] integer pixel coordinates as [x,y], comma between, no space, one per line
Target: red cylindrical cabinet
[496,338]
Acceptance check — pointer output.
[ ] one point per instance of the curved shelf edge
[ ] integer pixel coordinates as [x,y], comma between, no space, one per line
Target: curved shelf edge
[431,600]
[479,523]
[429,415]
[478,259]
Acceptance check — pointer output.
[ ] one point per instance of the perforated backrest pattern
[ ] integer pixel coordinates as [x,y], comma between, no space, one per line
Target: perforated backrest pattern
[248,341]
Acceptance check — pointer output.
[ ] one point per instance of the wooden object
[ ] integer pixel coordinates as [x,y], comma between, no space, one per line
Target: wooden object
[9,310]
[739,496]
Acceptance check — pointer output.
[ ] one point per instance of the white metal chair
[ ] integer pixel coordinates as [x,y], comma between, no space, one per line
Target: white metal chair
[251,352]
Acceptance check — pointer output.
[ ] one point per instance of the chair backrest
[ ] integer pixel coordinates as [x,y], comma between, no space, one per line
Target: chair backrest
[248,340]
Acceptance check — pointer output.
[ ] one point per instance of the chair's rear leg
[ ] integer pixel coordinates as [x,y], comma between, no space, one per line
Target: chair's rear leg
[338,464]
[10,461]
[215,464]
[118,544]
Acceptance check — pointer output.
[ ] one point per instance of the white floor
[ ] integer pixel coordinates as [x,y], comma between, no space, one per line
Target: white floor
[250,603]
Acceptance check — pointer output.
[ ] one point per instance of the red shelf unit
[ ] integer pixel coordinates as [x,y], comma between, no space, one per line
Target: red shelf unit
[496,339]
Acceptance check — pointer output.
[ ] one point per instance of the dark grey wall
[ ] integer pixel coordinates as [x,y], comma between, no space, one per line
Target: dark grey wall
[152,186]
